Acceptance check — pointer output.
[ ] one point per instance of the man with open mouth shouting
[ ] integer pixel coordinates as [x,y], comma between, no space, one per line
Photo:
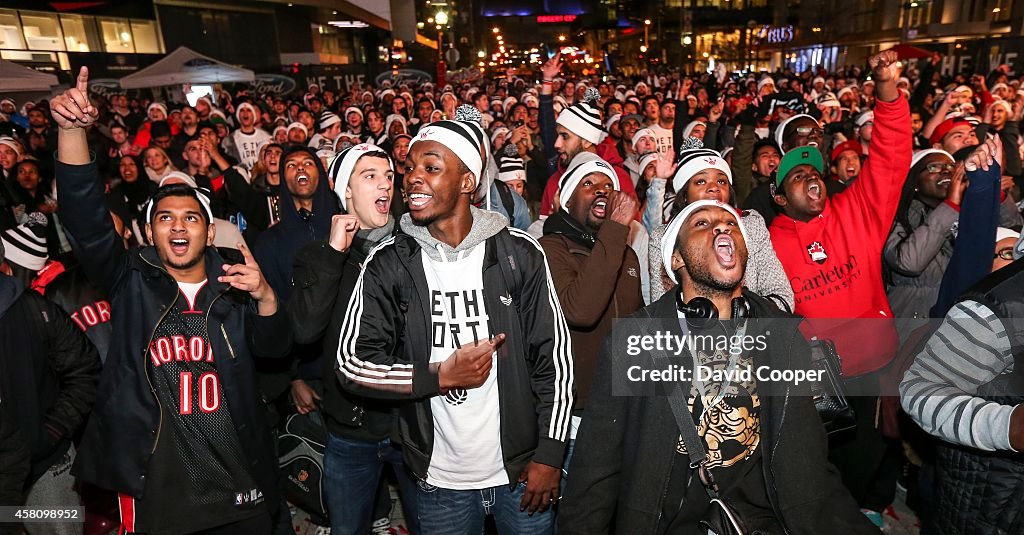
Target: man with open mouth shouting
[630,448]
[830,250]
[596,271]
[359,429]
[458,315]
[176,429]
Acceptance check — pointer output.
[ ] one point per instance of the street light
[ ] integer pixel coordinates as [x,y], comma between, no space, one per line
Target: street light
[441,18]
[687,40]
[561,38]
[647,27]
[481,54]
[495,30]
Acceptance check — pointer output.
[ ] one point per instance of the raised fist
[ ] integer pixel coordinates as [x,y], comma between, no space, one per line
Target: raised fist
[885,66]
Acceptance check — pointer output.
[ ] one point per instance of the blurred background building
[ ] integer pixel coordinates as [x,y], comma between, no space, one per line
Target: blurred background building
[343,43]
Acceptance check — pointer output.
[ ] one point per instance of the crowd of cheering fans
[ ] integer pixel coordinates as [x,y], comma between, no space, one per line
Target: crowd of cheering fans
[430,275]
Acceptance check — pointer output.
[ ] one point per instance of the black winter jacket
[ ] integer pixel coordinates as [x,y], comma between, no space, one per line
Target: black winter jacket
[978,492]
[387,333]
[88,307]
[14,463]
[126,421]
[323,283]
[626,446]
[48,372]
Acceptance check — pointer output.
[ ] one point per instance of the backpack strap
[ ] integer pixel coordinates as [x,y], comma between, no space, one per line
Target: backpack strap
[507,200]
[510,270]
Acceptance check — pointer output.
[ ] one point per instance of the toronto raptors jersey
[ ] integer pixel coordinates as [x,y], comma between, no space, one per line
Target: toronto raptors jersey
[197,477]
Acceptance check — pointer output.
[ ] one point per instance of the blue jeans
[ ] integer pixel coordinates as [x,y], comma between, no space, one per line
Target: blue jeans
[353,469]
[565,464]
[462,512]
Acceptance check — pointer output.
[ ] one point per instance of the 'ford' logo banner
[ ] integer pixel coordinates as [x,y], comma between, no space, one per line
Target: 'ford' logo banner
[272,84]
[399,76]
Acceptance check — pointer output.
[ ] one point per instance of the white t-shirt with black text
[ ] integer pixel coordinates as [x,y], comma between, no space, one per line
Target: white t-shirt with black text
[664,138]
[247,146]
[467,426]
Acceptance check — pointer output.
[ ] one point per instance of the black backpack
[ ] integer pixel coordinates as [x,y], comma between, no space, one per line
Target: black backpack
[301,448]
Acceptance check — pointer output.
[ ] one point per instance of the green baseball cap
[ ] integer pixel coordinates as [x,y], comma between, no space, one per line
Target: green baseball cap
[798,156]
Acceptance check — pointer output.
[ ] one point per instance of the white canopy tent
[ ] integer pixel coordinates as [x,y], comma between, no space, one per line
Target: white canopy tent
[186,66]
[19,79]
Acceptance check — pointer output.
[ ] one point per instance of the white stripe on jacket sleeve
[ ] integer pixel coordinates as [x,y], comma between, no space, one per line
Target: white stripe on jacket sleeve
[561,354]
[384,376]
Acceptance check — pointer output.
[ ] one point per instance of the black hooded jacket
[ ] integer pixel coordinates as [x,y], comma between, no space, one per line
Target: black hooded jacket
[609,490]
[275,251]
[126,421]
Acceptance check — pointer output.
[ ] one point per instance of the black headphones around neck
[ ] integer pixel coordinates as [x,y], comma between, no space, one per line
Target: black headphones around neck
[700,311]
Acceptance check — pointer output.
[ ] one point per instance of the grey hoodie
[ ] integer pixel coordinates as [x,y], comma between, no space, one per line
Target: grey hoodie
[485,225]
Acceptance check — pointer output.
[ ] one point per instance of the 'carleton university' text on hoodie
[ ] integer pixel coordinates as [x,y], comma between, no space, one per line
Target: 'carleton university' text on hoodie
[834,260]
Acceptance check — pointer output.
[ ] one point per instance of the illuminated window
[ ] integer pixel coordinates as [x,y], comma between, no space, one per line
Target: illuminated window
[915,14]
[146,41]
[117,35]
[42,31]
[10,30]
[77,30]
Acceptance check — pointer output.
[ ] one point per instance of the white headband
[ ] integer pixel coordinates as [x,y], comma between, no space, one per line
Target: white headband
[204,201]
[668,241]
[919,155]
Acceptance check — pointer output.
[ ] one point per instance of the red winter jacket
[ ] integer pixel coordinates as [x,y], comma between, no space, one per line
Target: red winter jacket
[607,153]
[851,231]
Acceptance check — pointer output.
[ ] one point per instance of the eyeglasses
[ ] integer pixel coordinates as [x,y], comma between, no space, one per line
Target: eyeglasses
[808,130]
[1006,253]
[939,167]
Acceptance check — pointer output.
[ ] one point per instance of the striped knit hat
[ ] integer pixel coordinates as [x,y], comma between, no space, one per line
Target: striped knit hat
[463,136]
[511,165]
[25,244]
[583,118]
[327,120]
[694,158]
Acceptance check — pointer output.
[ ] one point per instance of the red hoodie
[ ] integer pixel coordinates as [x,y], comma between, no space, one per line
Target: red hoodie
[847,240]
[607,153]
